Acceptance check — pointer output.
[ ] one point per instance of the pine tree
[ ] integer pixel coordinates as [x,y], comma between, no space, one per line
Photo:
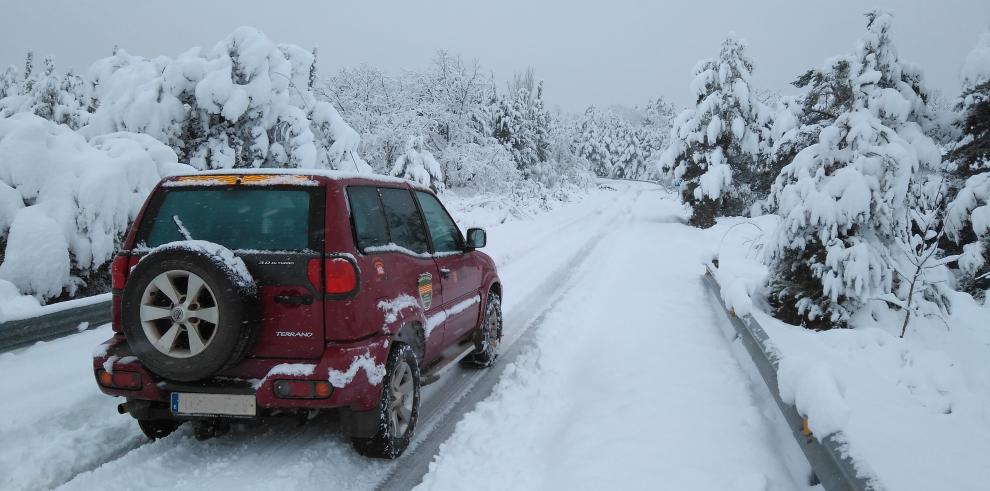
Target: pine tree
[658,119]
[716,146]
[843,199]
[591,142]
[797,123]
[523,125]
[27,85]
[71,109]
[968,219]
[8,82]
[45,91]
[312,71]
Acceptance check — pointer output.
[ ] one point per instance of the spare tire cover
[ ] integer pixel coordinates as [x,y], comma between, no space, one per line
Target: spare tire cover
[190,310]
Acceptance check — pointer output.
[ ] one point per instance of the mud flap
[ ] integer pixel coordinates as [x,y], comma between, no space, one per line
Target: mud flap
[360,424]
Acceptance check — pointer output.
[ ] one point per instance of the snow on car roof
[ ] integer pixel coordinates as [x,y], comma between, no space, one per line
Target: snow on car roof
[325,173]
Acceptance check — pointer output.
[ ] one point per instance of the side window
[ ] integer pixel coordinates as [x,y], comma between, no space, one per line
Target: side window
[444,232]
[405,224]
[370,228]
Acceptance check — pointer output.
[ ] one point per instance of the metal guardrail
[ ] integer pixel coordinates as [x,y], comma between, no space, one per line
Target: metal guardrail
[833,469]
[21,332]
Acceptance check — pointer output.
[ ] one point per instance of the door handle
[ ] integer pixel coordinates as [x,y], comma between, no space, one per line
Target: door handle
[445,272]
[294,299]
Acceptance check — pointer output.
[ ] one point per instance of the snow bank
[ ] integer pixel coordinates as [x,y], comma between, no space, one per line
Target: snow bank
[68,201]
[13,304]
[59,424]
[914,412]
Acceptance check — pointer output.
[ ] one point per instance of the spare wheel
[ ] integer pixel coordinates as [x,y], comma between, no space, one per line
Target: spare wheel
[190,310]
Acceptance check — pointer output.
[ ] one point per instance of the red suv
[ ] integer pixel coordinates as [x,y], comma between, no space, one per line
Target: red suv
[243,295]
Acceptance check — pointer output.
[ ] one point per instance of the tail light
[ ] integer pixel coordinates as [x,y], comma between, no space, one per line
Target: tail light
[118,271]
[119,379]
[302,389]
[340,276]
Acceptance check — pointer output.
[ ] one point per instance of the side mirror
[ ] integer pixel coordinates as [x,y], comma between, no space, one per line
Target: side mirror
[476,238]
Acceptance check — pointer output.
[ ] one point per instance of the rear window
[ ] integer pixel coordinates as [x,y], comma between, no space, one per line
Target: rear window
[370,228]
[405,224]
[274,219]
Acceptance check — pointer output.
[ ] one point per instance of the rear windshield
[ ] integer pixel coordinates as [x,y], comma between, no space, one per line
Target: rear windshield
[274,219]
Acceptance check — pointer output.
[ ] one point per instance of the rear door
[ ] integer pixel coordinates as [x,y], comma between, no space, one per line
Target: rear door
[277,231]
[460,273]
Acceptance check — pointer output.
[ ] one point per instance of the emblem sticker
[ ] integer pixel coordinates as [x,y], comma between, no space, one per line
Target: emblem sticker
[425,286]
[379,268]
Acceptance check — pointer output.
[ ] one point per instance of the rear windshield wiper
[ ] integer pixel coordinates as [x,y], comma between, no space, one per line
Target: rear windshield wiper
[182,228]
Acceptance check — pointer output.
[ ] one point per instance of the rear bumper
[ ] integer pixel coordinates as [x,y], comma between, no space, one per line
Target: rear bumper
[354,370]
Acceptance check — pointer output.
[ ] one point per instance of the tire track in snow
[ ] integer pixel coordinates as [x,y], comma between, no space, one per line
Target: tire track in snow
[467,389]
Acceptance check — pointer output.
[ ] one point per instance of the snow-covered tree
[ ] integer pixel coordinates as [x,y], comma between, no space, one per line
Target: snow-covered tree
[383,109]
[418,165]
[523,124]
[449,92]
[485,167]
[8,82]
[797,122]
[28,81]
[844,199]
[243,103]
[593,142]
[968,219]
[65,202]
[58,98]
[658,120]
[716,146]
[614,145]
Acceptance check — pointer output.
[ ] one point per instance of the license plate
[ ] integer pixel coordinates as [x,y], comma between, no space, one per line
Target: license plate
[195,404]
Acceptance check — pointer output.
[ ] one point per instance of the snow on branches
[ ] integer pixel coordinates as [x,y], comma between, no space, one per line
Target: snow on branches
[617,147]
[246,102]
[418,165]
[716,146]
[844,199]
[66,202]
[968,217]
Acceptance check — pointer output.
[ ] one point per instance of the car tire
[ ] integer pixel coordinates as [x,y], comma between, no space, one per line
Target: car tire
[217,323]
[488,337]
[158,428]
[398,406]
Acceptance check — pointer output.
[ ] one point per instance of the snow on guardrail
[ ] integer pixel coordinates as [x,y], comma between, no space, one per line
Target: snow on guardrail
[832,467]
[57,320]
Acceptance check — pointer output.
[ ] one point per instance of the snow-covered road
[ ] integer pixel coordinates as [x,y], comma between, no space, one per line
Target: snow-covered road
[615,375]
[629,383]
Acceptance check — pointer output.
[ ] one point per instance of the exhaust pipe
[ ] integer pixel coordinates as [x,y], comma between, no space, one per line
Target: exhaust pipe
[134,408]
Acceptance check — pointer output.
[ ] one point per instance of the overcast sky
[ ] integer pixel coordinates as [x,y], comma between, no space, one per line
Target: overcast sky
[603,53]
